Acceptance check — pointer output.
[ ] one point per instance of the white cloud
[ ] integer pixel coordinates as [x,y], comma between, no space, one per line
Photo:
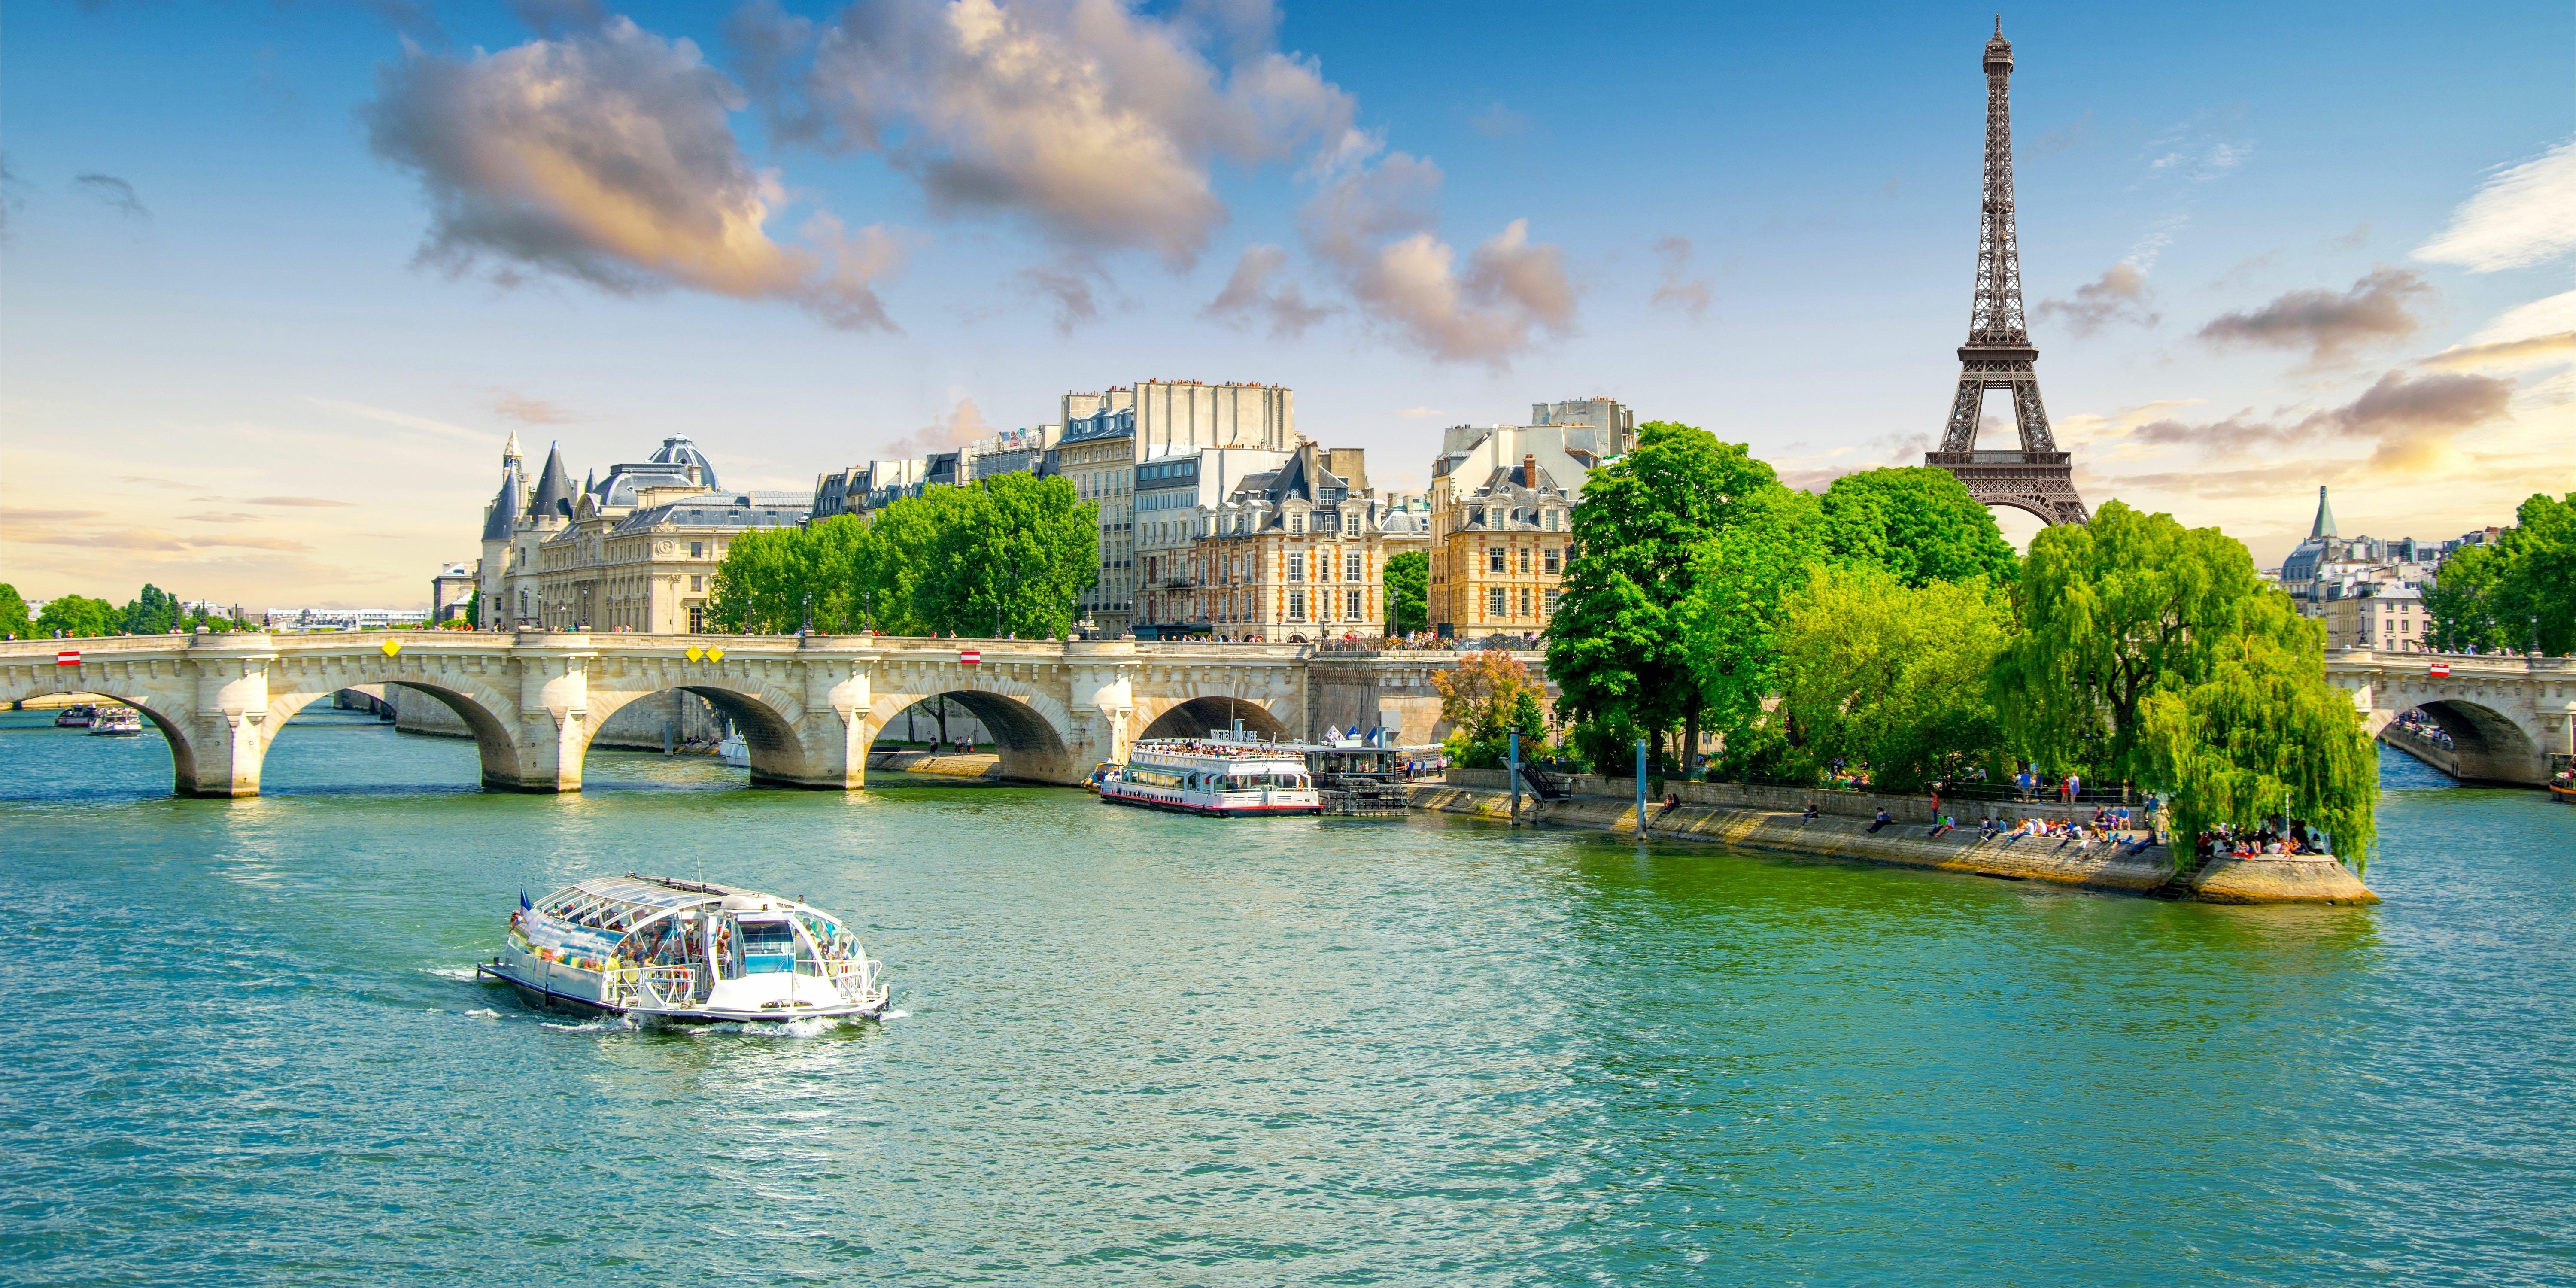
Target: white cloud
[1097,124]
[2524,215]
[2548,316]
[1374,223]
[607,155]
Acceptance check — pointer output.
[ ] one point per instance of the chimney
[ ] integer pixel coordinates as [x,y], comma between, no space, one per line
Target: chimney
[1529,471]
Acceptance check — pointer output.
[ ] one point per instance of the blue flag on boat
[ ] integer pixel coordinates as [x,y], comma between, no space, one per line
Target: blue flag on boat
[524,905]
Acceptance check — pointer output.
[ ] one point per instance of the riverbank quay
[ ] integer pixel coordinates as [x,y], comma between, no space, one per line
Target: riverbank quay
[913,760]
[2283,879]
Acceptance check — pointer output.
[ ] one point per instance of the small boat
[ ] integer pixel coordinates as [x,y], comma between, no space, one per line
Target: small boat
[685,952]
[115,721]
[76,716]
[1226,775]
[734,750]
[2563,788]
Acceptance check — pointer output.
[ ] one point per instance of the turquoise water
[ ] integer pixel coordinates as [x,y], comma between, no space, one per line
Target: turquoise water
[1138,1048]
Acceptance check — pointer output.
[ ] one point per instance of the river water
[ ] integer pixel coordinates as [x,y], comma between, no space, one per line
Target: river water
[242,1046]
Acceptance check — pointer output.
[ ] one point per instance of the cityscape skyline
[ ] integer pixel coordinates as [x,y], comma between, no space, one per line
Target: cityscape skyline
[277,263]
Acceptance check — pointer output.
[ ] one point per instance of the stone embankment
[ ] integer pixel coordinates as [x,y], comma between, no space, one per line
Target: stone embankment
[1768,818]
[972,764]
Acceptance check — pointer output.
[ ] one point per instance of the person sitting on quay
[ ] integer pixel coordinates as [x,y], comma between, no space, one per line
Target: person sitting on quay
[1810,815]
[1882,820]
[1988,826]
[1943,826]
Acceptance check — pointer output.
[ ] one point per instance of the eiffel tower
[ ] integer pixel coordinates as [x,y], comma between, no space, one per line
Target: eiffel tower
[1999,354]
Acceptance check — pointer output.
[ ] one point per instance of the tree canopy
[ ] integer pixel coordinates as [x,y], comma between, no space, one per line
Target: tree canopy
[1918,523]
[1616,645]
[1408,591]
[1894,676]
[2510,594]
[78,616]
[1731,620]
[1008,555]
[14,621]
[1484,698]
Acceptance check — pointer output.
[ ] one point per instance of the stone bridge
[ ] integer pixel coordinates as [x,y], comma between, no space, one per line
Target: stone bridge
[808,706]
[2508,717]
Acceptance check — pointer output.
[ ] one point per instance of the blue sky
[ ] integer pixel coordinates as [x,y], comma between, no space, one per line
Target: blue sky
[281,277]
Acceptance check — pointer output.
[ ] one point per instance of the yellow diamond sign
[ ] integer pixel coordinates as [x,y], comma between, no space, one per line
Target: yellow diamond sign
[695,653]
[715,655]
[392,647]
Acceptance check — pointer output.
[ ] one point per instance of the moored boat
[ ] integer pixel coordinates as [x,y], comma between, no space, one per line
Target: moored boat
[2562,787]
[659,948]
[116,721]
[1221,775]
[734,751]
[76,716]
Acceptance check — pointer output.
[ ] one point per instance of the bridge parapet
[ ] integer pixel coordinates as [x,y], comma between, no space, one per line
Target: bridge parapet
[807,706]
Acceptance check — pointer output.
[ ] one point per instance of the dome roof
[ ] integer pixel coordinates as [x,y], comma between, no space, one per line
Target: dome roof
[677,450]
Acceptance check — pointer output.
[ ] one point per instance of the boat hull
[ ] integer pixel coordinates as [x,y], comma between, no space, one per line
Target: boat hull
[2567,794]
[1109,795]
[544,998]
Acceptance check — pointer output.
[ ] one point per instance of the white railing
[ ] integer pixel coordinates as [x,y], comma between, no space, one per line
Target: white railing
[650,987]
[855,980]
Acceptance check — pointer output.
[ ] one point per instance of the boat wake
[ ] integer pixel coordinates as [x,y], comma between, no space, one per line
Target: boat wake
[463,973]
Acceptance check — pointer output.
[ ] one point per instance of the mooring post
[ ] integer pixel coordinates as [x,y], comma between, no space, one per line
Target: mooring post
[1516,778]
[1641,789]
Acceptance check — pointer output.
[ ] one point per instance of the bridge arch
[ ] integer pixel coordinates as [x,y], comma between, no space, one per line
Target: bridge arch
[2486,743]
[767,719]
[1031,731]
[1199,716]
[156,707]
[477,705]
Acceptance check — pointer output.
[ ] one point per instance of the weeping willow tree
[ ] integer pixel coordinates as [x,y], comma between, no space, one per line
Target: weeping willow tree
[2154,654]
[2263,735]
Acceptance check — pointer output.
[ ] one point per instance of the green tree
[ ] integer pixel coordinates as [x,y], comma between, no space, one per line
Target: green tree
[1894,676]
[2516,592]
[78,617]
[2262,735]
[1014,553]
[2117,609]
[759,587]
[1916,522]
[887,565]
[14,622]
[1408,593]
[1732,617]
[1616,645]
[152,612]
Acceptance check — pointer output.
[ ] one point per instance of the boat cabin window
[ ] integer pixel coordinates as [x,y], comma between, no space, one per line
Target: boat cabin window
[768,946]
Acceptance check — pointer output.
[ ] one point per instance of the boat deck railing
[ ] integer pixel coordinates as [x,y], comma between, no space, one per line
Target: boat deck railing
[651,987]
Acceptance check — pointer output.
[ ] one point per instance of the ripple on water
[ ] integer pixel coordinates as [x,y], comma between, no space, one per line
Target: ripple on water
[1138,1048]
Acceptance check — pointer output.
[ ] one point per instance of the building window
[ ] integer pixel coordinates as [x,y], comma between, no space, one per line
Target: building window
[697,550]
[1494,560]
[1494,602]
[1296,605]
[1297,523]
[1355,566]
[1551,601]
[1354,605]
[1296,566]
[697,581]
[697,619]
[1551,520]
[1548,562]
[1351,525]
[1524,561]
[1525,605]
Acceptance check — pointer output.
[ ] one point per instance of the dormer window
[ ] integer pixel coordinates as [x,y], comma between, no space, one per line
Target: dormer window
[1297,523]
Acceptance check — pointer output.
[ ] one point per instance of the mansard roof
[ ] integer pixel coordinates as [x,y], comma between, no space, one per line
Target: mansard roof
[679,453]
[723,511]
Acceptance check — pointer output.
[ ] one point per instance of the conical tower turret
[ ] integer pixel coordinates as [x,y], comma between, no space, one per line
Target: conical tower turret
[2325,524]
[554,495]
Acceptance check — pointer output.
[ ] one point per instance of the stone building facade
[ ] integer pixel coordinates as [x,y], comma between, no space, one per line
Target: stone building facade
[635,551]
[1292,554]
[1498,551]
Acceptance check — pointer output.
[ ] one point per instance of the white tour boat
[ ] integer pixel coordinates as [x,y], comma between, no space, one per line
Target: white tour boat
[734,751]
[1224,774]
[116,721]
[685,951]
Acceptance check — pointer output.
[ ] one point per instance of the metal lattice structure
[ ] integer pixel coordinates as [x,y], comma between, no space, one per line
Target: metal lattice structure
[1999,355]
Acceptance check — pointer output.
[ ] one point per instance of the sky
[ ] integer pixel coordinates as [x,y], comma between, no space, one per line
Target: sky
[278,279]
